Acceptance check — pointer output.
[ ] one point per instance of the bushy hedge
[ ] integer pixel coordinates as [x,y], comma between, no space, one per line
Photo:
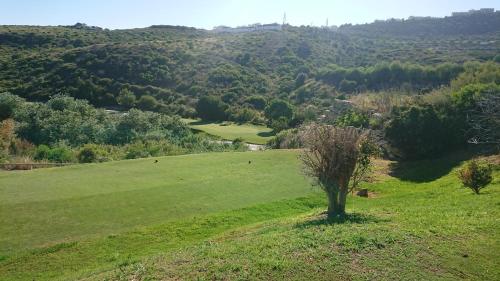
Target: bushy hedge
[67,130]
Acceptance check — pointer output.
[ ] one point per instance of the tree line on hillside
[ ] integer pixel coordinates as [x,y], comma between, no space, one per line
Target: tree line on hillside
[428,125]
[386,76]
[167,69]
[429,26]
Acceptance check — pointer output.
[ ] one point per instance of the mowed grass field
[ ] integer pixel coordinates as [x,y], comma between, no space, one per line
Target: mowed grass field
[229,131]
[216,216]
[47,206]
[417,224]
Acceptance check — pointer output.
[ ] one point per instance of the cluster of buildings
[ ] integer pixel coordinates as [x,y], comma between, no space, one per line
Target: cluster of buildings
[474,12]
[248,28]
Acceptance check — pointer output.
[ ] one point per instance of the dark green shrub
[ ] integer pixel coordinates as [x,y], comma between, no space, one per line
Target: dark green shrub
[279,124]
[354,119]
[136,150]
[425,131]
[258,102]
[60,155]
[475,175]
[211,108]
[467,97]
[277,109]
[91,153]
[243,115]
[42,152]
[347,86]
[126,98]
[8,105]
[147,102]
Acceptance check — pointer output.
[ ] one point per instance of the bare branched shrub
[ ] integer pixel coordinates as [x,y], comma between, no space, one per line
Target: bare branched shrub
[338,159]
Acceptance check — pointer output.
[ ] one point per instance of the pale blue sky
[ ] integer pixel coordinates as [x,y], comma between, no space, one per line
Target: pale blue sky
[207,14]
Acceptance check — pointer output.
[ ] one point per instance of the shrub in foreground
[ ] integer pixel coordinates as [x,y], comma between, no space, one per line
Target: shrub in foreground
[475,175]
[338,159]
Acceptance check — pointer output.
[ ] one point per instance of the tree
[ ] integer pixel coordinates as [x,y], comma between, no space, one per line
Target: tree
[147,102]
[279,124]
[481,104]
[277,109]
[338,159]
[211,108]
[420,131]
[126,98]
[347,86]
[258,102]
[475,175]
[8,105]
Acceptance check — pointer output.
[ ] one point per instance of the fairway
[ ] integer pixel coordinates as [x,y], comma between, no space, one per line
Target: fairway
[47,206]
[229,131]
[250,213]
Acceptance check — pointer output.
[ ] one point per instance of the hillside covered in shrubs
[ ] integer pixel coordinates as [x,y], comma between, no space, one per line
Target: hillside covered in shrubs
[168,68]
[67,130]
[422,84]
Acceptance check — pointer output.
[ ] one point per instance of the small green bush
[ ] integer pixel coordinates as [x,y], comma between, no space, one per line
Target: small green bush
[42,152]
[91,153]
[287,139]
[60,155]
[475,175]
[354,119]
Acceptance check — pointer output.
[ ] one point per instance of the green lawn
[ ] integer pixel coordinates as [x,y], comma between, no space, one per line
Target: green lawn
[229,131]
[420,224]
[215,216]
[48,206]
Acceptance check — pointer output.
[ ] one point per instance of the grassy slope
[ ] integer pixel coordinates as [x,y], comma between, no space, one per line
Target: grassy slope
[420,225]
[248,132]
[44,207]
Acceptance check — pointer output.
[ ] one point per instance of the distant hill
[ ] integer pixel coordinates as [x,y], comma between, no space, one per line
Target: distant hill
[464,24]
[176,65]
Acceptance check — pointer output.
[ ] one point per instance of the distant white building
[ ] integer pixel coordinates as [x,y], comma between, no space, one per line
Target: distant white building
[474,12]
[248,28]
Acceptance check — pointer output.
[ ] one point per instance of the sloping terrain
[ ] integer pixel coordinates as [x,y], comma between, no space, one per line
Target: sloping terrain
[176,65]
[234,219]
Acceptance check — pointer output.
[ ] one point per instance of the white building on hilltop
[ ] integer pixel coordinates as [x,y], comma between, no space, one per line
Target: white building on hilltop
[248,28]
[474,12]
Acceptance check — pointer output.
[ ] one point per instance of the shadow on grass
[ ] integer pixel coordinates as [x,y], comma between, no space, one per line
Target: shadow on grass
[266,134]
[427,170]
[204,122]
[351,218]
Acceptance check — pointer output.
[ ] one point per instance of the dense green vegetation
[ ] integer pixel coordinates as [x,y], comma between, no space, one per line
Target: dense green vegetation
[64,129]
[423,87]
[102,227]
[281,79]
[429,27]
[166,68]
